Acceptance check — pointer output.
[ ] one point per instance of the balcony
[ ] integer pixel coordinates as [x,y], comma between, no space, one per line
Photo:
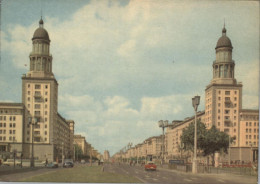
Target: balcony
[227,120]
[227,101]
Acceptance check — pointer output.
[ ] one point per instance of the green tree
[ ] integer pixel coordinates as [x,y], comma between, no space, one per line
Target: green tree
[215,141]
[208,141]
[187,137]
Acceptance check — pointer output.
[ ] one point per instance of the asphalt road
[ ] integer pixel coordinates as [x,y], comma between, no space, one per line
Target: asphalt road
[176,177]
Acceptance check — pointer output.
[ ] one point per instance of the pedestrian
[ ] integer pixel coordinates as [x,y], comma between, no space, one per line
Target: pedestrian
[46,162]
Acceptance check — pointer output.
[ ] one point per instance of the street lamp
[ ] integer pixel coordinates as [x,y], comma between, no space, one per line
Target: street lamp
[32,122]
[195,104]
[163,124]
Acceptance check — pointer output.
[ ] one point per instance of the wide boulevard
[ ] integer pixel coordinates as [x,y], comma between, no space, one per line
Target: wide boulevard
[122,173]
[170,176]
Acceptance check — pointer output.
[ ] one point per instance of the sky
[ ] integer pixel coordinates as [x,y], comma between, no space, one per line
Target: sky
[124,65]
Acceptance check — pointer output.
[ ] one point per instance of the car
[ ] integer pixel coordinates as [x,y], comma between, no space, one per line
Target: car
[150,166]
[10,162]
[68,164]
[82,161]
[52,165]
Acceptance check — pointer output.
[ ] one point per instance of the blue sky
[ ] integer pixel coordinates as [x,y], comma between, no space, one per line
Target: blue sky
[123,65]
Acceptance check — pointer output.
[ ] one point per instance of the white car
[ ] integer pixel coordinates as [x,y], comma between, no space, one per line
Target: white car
[10,162]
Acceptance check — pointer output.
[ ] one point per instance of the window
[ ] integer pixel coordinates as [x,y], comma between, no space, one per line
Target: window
[10,131]
[4,124]
[1,118]
[254,136]
[28,132]
[246,136]
[14,118]
[46,100]
[235,92]
[45,132]
[28,105]
[254,130]
[28,99]
[28,85]
[255,124]
[29,92]
[4,131]
[13,131]
[234,130]
[37,106]
[46,93]
[218,104]
[46,86]
[235,98]
[46,106]
[0,138]
[1,132]
[45,119]
[45,139]
[235,117]
[218,110]
[235,105]
[227,92]
[218,117]
[246,123]
[219,92]
[28,139]
[10,118]
[46,112]
[218,123]
[14,125]
[4,138]
[37,86]
[226,111]
[10,125]
[1,124]
[235,111]
[45,126]
[219,98]
[10,138]
[247,130]
[250,123]
[249,136]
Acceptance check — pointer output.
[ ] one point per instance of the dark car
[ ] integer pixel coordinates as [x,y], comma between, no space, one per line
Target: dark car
[52,165]
[68,164]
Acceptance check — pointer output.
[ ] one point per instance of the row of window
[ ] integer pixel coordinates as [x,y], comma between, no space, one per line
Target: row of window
[11,118]
[37,100]
[10,131]
[250,124]
[36,139]
[11,125]
[249,143]
[250,136]
[227,92]
[37,86]
[251,130]
[4,138]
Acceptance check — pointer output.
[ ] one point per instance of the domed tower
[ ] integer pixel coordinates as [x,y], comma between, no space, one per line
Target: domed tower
[223,67]
[40,97]
[40,57]
[223,96]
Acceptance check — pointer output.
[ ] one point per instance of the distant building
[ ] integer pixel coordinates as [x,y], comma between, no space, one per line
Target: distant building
[106,156]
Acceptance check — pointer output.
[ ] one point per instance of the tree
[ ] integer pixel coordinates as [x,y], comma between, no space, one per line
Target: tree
[215,141]
[78,152]
[208,141]
[187,137]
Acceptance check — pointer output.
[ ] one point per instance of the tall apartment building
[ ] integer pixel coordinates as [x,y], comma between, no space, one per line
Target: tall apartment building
[223,108]
[38,119]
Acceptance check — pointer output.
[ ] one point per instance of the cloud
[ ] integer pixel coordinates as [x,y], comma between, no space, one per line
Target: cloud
[125,66]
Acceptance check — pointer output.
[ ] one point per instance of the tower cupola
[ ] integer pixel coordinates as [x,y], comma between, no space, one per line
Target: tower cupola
[40,57]
[223,66]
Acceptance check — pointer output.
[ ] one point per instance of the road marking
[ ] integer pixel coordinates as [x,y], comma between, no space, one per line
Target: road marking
[154,179]
[188,180]
[221,181]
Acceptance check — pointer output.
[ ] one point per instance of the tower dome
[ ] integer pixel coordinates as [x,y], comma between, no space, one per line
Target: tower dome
[41,33]
[224,41]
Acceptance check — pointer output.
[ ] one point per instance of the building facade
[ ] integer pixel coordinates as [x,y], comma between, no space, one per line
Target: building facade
[39,122]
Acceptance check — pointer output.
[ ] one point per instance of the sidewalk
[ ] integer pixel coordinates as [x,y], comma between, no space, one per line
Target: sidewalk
[5,170]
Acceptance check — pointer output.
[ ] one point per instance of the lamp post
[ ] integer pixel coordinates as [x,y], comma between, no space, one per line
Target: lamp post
[163,124]
[195,104]
[32,122]
[62,155]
